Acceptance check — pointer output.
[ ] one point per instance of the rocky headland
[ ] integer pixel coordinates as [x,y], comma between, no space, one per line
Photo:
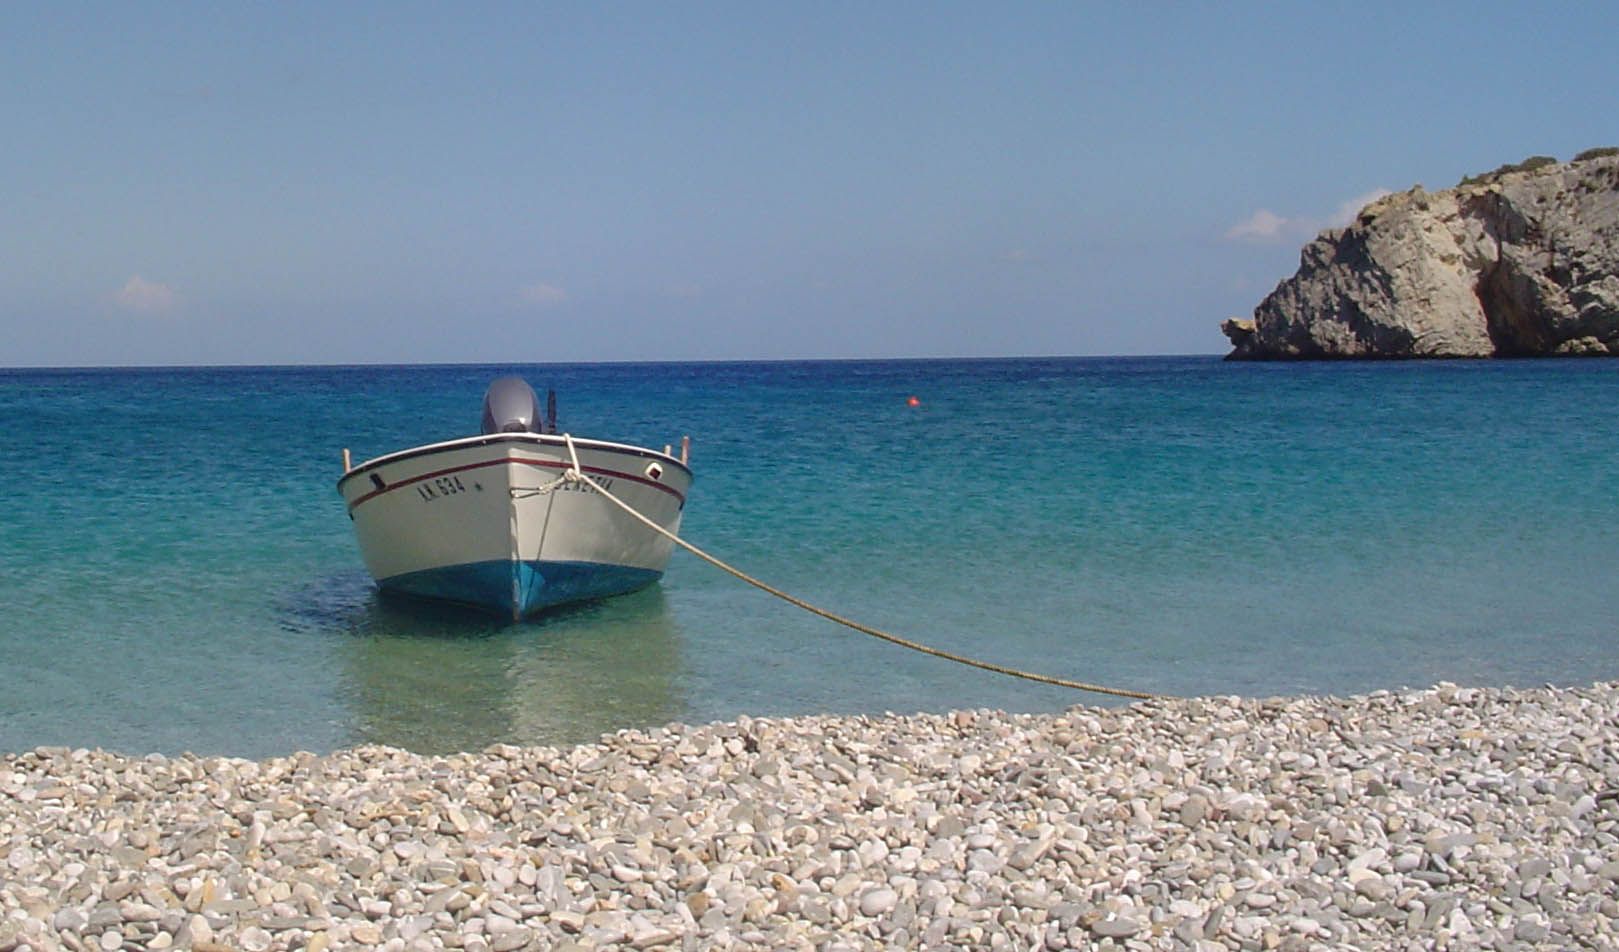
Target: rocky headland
[1444,818]
[1522,261]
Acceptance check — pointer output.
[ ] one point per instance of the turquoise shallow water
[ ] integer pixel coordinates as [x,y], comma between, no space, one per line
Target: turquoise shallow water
[177,573]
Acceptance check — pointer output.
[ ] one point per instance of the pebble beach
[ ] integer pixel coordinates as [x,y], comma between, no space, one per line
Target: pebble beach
[1442,818]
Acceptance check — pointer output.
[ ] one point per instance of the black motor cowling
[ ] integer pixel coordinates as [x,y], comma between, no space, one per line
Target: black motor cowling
[510,406]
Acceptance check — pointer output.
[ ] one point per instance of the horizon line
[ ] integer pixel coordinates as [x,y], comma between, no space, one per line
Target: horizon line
[589,363]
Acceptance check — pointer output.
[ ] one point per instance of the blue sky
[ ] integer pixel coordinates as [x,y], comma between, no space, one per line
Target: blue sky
[335,183]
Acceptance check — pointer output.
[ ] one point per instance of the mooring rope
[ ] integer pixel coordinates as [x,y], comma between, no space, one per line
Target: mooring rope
[578,474]
[525,492]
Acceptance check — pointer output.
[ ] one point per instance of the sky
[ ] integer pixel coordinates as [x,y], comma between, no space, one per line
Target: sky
[185,184]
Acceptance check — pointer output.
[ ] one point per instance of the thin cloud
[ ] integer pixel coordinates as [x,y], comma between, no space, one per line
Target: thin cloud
[145,297]
[543,295]
[1263,225]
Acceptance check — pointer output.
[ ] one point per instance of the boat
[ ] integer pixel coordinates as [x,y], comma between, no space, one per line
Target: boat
[502,521]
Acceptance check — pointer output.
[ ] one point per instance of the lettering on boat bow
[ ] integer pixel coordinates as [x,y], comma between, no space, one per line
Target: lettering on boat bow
[442,486]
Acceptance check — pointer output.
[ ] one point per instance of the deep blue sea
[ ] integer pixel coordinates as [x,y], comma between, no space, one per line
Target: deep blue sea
[177,571]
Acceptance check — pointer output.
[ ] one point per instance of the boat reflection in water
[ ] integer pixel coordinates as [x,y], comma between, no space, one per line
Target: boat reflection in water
[437,679]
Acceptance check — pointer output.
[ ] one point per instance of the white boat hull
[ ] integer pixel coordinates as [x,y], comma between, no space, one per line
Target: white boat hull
[488,521]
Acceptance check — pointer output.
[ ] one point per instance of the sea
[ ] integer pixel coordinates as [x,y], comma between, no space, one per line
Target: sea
[177,572]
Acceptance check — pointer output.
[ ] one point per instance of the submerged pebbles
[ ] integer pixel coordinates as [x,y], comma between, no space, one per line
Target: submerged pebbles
[1451,817]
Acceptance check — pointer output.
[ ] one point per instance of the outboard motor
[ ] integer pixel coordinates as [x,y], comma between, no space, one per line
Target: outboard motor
[510,406]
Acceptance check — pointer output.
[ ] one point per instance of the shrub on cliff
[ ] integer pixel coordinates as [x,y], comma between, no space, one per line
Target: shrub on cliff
[1597,153]
[1527,165]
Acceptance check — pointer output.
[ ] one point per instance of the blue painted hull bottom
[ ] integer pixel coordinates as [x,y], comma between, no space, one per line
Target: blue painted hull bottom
[519,589]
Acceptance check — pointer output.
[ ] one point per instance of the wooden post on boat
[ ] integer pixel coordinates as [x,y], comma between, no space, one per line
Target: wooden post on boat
[685,450]
[346,464]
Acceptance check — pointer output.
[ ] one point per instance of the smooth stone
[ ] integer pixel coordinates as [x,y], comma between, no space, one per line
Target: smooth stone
[877,902]
[1117,927]
[366,932]
[512,941]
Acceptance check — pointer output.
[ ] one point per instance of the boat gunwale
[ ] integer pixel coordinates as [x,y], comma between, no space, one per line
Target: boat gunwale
[486,439]
[490,439]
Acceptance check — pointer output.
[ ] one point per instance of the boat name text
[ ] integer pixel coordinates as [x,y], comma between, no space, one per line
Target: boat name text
[583,487]
[442,486]
[430,490]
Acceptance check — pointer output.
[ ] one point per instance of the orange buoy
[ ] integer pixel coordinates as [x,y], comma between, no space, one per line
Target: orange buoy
[913,402]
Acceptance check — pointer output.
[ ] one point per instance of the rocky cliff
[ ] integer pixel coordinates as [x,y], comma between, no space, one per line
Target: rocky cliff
[1523,261]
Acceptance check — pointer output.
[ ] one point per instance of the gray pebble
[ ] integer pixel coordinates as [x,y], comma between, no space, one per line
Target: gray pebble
[876,902]
[1120,927]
